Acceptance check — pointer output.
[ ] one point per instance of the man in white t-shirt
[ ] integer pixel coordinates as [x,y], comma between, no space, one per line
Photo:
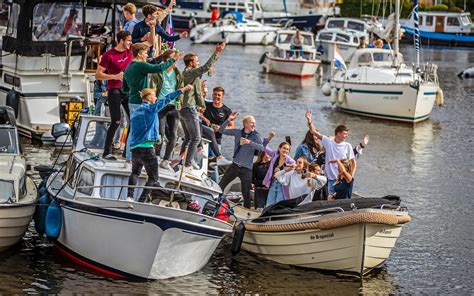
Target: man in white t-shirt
[335,149]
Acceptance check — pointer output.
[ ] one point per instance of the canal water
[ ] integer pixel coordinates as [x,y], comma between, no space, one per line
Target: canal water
[430,166]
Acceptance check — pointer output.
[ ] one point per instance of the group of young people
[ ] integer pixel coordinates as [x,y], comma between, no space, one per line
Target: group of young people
[156,107]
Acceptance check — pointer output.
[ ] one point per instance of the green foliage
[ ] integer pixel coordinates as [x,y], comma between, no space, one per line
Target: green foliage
[356,8]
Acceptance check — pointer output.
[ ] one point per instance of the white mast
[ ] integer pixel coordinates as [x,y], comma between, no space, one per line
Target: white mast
[396,30]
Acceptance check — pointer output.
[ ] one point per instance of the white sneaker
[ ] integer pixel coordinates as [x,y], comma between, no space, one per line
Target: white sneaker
[165,164]
[223,161]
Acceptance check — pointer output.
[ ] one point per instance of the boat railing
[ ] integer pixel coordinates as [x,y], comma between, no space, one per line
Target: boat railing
[170,190]
[430,72]
[312,214]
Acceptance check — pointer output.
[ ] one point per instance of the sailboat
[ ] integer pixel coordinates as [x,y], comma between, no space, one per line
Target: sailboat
[378,83]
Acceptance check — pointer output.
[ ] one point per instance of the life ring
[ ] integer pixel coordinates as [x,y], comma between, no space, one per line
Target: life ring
[439,97]
[239,233]
[333,99]
[341,96]
[53,221]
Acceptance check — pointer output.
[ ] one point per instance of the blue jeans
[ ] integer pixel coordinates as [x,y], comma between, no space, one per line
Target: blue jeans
[128,155]
[330,185]
[275,193]
[192,132]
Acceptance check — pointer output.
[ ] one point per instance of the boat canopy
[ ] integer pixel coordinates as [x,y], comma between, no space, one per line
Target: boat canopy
[283,39]
[237,15]
[36,27]
[374,57]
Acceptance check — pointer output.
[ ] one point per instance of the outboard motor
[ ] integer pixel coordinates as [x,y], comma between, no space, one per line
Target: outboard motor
[60,129]
[13,100]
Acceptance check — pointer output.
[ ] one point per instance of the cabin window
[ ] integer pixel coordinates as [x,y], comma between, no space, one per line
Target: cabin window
[116,186]
[355,39]
[7,191]
[70,172]
[364,58]
[22,186]
[13,20]
[95,134]
[356,26]
[325,36]
[86,178]
[8,143]
[453,21]
[429,20]
[342,38]
[336,24]
[55,21]
[420,20]
[466,20]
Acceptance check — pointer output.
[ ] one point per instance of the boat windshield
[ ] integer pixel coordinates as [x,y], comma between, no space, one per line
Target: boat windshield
[95,135]
[8,141]
[336,24]
[351,25]
[7,191]
[285,38]
[382,57]
[465,19]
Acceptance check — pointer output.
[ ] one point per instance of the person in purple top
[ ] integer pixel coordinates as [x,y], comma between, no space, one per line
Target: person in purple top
[280,158]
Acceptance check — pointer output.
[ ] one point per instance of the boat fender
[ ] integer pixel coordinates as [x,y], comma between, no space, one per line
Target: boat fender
[40,214]
[54,221]
[239,233]
[333,95]
[223,35]
[264,40]
[13,100]
[262,58]
[341,96]
[439,97]
[244,38]
[326,89]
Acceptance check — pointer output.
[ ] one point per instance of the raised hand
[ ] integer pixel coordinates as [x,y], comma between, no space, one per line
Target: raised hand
[309,116]
[233,116]
[177,55]
[271,135]
[183,35]
[220,47]
[187,88]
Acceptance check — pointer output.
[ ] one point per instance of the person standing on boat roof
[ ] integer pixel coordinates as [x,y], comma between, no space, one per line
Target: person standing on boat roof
[129,11]
[247,142]
[111,67]
[335,149]
[192,100]
[166,82]
[141,31]
[144,133]
[136,78]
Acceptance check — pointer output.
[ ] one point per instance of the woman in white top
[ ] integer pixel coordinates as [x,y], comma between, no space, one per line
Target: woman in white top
[299,181]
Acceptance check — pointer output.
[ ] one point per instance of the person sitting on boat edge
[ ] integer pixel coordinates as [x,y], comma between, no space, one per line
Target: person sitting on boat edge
[280,159]
[247,142]
[136,78]
[300,182]
[297,44]
[259,171]
[344,181]
[335,149]
[143,135]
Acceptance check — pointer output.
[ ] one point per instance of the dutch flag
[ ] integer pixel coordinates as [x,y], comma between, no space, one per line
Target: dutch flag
[170,31]
[338,60]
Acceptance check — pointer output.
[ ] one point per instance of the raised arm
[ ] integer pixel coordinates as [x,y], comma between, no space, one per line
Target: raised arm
[312,129]
[347,175]
[191,74]
[229,131]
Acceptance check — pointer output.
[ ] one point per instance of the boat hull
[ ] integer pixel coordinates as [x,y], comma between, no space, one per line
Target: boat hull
[434,38]
[242,38]
[109,237]
[15,218]
[399,102]
[291,67]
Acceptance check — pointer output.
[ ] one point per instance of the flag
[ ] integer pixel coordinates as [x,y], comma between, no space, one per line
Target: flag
[338,60]
[170,31]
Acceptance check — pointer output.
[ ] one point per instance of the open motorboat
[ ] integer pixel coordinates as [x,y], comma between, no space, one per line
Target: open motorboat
[48,72]
[18,194]
[352,236]
[98,226]
[284,60]
[234,29]
[379,84]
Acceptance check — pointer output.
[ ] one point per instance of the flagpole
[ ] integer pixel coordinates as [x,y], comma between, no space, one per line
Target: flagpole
[416,35]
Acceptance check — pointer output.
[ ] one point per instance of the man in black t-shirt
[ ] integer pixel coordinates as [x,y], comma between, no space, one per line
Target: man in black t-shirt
[216,112]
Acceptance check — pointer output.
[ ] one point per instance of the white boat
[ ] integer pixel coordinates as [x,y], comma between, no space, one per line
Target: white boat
[48,74]
[102,229]
[442,28]
[346,41]
[285,61]
[348,24]
[379,84]
[350,237]
[304,15]
[234,29]
[18,194]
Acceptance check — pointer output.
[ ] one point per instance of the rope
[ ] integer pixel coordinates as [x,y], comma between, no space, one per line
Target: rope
[333,222]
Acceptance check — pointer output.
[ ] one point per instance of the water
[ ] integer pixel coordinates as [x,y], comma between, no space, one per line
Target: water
[430,166]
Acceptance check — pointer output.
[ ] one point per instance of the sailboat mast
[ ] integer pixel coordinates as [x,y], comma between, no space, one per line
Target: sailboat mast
[416,35]
[396,29]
